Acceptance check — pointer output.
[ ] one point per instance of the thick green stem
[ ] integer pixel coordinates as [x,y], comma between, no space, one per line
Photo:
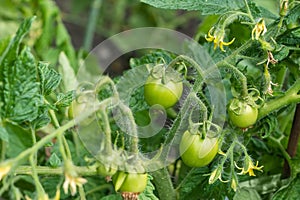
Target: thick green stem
[163,184]
[291,96]
[92,22]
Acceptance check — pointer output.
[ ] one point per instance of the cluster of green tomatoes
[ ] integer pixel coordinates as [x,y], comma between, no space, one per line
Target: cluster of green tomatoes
[196,149]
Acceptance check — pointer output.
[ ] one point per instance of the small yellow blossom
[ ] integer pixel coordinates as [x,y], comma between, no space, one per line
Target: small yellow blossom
[215,175]
[217,38]
[4,169]
[259,29]
[72,181]
[234,182]
[249,167]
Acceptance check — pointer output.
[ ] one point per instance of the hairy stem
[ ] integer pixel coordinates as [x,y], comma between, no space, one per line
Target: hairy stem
[239,74]
[163,184]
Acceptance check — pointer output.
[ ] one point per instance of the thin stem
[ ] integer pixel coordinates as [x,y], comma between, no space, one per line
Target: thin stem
[64,147]
[233,17]
[92,22]
[81,193]
[33,143]
[282,149]
[67,148]
[53,118]
[99,188]
[38,185]
[43,170]
[249,11]
[107,131]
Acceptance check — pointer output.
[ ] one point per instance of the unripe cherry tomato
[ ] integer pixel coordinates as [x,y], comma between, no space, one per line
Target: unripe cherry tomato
[166,95]
[196,151]
[130,182]
[242,114]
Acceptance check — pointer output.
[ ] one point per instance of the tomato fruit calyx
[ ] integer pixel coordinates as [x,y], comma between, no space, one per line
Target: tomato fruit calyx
[130,183]
[242,113]
[163,87]
[197,151]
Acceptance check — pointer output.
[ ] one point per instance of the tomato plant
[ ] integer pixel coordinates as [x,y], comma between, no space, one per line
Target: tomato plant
[197,151]
[72,118]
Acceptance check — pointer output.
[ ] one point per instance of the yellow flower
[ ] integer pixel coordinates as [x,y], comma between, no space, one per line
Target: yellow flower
[215,175]
[249,167]
[72,181]
[4,169]
[259,29]
[234,182]
[217,38]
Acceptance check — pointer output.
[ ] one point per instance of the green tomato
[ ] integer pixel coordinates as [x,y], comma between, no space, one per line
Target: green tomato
[196,151]
[242,114]
[130,182]
[166,95]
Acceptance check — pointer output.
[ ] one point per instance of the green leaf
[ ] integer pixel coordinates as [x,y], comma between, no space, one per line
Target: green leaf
[148,192]
[4,134]
[246,193]
[261,12]
[292,191]
[206,7]
[192,180]
[64,100]
[49,78]
[19,140]
[54,160]
[42,119]
[20,89]
[294,14]
[11,50]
